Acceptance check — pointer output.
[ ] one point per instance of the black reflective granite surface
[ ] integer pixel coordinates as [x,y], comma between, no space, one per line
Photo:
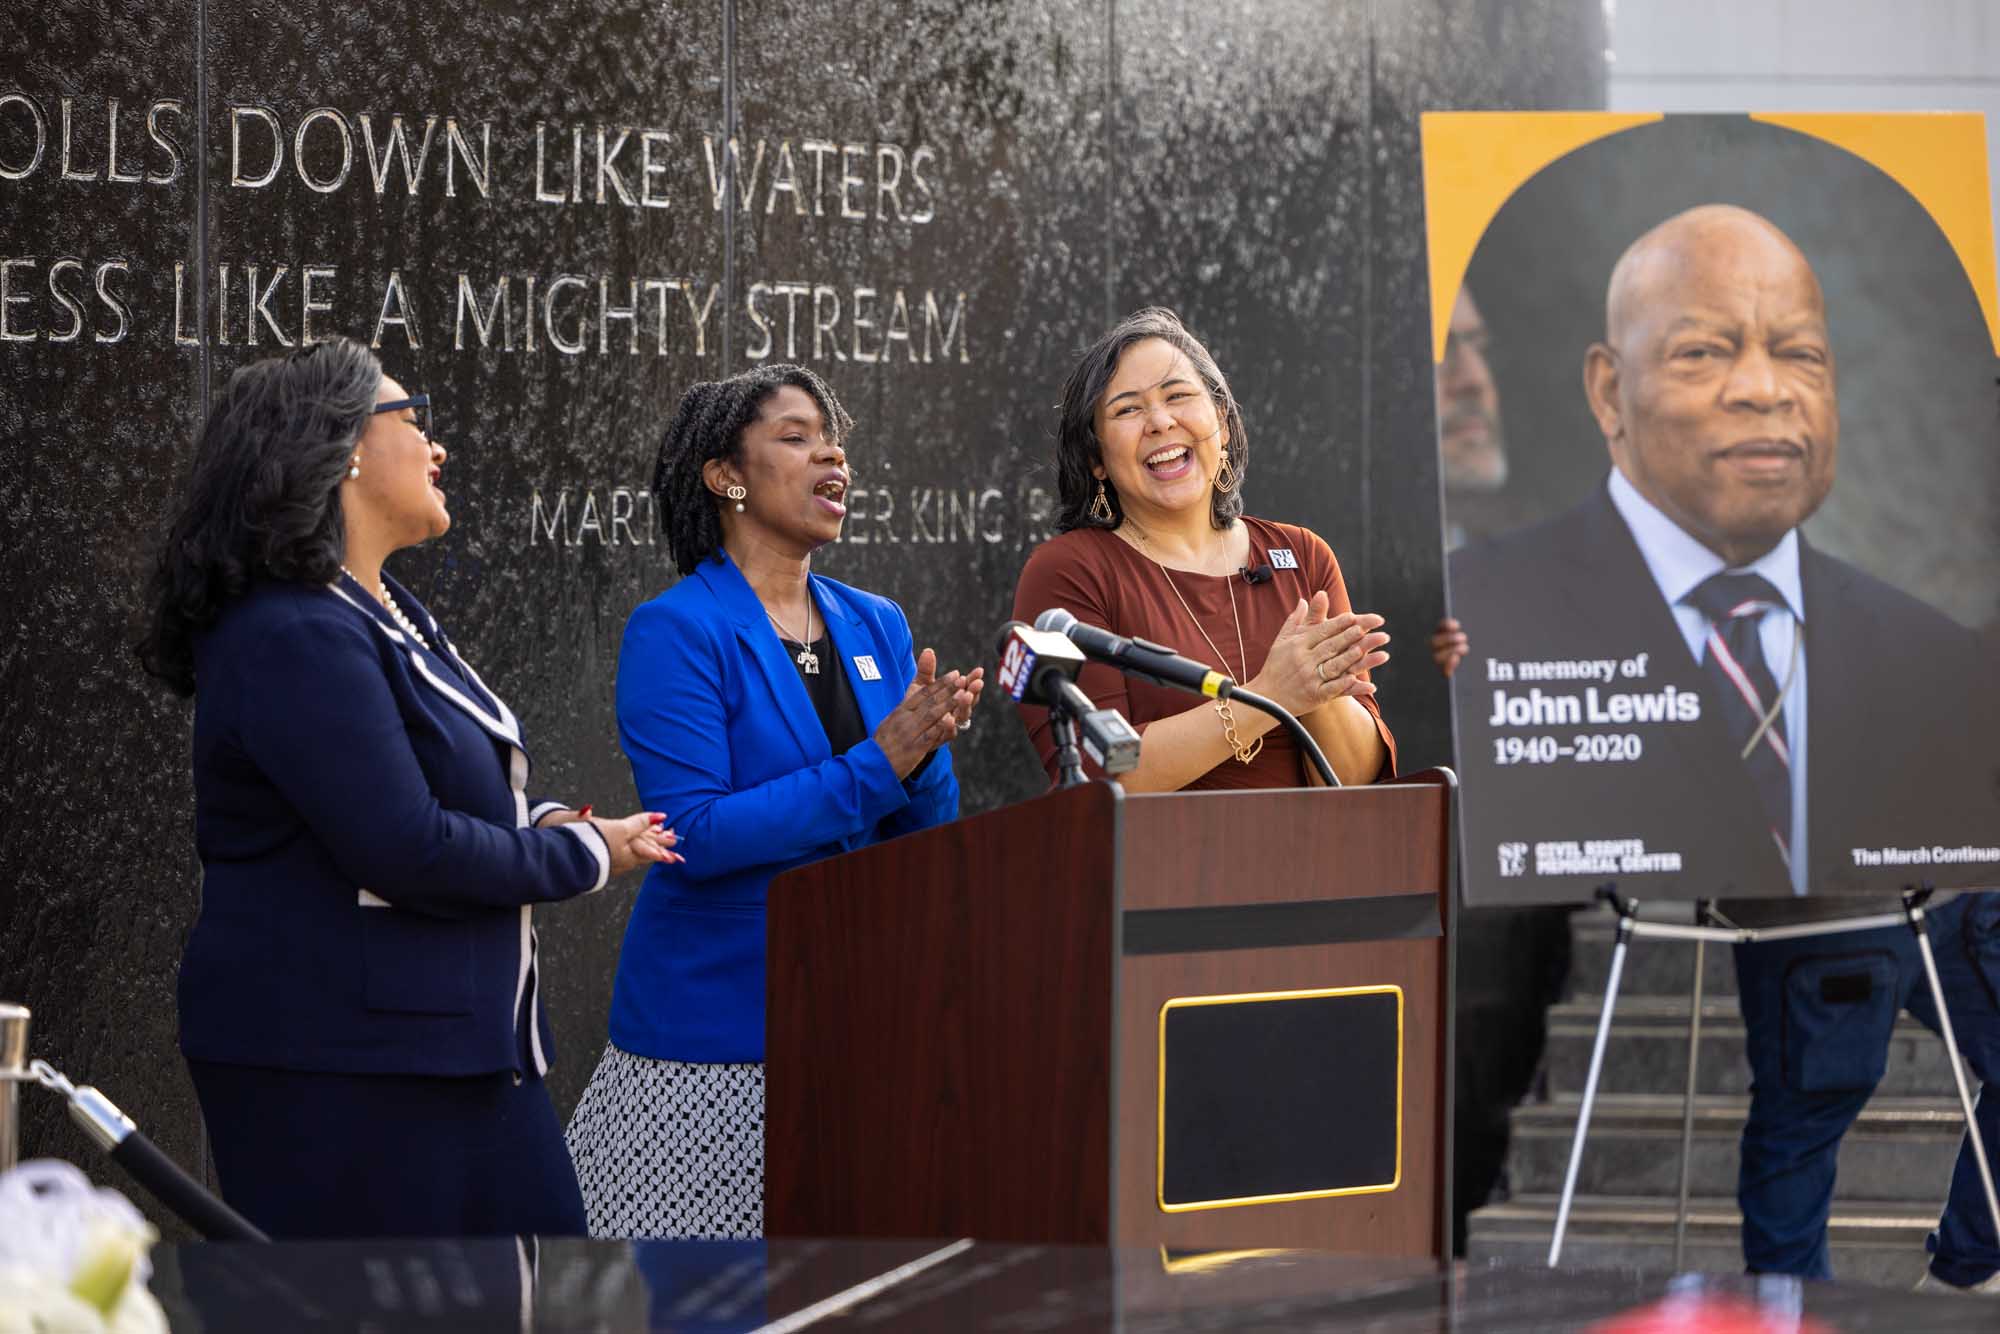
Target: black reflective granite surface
[1020,171]
[949,160]
[552,410]
[98,405]
[928,1285]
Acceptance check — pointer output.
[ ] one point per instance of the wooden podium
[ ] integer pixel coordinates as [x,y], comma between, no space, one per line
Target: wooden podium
[1198,1020]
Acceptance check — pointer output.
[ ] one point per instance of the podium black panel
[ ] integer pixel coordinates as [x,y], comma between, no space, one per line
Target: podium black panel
[1280,1097]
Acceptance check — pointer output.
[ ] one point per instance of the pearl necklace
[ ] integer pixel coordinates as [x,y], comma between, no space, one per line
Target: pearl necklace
[395,612]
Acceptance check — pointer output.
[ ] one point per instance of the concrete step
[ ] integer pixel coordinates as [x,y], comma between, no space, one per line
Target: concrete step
[1900,1150]
[1652,967]
[1882,1244]
[1647,1052]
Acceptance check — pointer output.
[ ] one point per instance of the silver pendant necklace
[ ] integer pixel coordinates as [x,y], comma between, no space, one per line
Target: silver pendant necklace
[807,660]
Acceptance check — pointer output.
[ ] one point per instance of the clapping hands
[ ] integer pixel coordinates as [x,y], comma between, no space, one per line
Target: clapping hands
[935,709]
[1318,657]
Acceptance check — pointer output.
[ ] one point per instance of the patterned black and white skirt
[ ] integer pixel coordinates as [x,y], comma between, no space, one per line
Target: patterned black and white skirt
[671,1149]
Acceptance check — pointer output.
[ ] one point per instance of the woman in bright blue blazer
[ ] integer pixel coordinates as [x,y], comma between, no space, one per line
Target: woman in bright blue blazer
[777,717]
[360,997]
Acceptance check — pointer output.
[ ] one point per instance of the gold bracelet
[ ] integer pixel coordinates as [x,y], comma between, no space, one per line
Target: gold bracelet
[1244,754]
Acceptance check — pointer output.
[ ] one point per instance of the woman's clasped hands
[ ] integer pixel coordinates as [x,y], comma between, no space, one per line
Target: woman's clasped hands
[935,709]
[1316,657]
[635,840]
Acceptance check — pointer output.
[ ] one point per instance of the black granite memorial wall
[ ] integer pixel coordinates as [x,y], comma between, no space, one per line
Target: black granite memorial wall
[553,217]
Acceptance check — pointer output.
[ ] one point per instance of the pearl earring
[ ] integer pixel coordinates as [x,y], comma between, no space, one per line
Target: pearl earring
[354,469]
[736,493]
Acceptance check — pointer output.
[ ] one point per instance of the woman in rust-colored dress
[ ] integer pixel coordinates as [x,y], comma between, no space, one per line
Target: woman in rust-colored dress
[1151,458]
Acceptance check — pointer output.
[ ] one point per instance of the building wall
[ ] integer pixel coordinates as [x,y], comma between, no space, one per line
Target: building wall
[1791,55]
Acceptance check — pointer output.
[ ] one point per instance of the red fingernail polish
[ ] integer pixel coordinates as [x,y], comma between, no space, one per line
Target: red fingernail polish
[584,814]
[655,817]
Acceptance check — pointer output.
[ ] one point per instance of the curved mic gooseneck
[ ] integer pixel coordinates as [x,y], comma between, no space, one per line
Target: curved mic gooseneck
[1162,666]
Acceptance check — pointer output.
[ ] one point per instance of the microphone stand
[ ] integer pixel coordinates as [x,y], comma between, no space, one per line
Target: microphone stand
[1230,690]
[1069,760]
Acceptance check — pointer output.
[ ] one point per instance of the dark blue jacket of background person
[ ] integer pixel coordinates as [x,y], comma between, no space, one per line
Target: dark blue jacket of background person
[368,867]
[724,739]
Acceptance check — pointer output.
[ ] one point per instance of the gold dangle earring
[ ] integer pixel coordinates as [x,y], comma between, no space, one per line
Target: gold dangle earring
[736,493]
[1100,505]
[1225,476]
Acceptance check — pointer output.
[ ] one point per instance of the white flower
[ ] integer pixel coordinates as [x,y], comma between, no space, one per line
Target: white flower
[72,1256]
[33,1304]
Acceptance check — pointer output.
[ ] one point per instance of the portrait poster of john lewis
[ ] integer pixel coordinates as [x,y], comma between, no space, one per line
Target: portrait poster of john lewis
[1720,435]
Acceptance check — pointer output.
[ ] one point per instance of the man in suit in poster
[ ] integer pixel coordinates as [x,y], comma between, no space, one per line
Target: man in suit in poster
[1715,388]
[1670,687]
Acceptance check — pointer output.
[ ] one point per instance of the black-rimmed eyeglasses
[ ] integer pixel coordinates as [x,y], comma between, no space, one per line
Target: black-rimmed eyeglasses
[420,403]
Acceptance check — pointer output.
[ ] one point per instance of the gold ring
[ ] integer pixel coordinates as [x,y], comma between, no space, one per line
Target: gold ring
[1320,671]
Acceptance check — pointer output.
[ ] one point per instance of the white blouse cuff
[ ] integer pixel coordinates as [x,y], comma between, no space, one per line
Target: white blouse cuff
[586,833]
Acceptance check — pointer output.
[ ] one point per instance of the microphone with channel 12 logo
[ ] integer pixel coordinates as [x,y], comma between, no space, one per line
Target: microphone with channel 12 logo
[1040,667]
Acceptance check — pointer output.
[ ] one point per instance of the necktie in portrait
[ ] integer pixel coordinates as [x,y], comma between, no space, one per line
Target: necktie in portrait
[1746,692]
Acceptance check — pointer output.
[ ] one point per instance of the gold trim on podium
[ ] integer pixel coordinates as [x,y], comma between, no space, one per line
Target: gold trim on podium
[1204,1262]
[1252,998]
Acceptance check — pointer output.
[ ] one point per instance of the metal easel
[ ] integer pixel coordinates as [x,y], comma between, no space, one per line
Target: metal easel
[1631,926]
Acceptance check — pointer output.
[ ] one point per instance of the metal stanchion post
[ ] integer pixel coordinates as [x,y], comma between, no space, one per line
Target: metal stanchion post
[13,1066]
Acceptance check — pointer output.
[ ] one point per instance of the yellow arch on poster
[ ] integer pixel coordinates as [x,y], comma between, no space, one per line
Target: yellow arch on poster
[1473,163]
[1940,158]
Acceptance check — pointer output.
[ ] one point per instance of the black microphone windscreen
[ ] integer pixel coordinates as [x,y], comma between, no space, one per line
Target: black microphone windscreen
[1007,633]
[1258,574]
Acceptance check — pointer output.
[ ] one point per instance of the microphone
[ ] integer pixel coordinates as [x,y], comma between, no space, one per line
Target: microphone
[1162,666]
[1258,574]
[1031,658]
[1138,657]
[1040,667]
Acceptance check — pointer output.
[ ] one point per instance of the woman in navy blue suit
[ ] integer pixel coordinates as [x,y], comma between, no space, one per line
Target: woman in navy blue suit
[777,717]
[360,998]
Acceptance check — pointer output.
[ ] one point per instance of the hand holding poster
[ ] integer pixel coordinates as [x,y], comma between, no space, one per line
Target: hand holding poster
[1714,648]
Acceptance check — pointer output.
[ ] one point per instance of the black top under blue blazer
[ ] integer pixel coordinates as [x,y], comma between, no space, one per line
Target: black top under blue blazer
[724,739]
[368,857]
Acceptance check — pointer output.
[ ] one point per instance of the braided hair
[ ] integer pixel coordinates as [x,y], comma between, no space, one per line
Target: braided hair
[264,499]
[708,425]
